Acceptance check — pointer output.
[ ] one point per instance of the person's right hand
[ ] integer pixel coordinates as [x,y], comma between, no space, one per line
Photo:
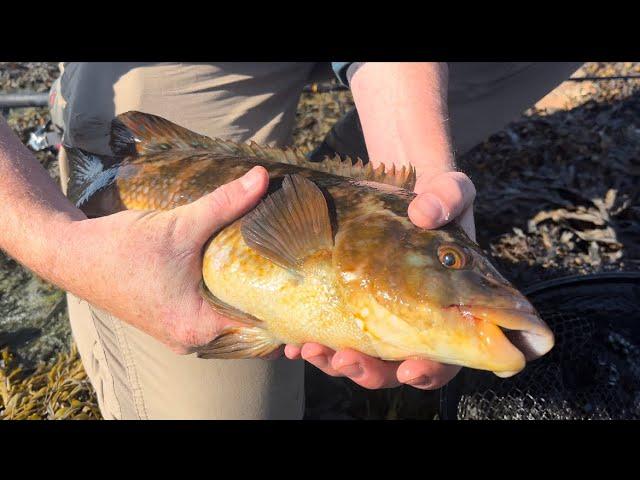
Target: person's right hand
[145,267]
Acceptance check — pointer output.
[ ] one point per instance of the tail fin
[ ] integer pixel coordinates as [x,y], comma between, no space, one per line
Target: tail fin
[136,133]
[89,173]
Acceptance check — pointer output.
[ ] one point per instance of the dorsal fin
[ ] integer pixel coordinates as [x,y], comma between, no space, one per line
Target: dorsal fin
[137,133]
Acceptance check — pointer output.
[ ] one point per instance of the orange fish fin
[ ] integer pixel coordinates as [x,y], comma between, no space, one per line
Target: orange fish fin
[240,342]
[136,133]
[225,309]
[290,224]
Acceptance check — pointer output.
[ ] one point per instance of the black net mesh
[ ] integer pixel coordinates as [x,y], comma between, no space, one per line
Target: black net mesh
[593,372]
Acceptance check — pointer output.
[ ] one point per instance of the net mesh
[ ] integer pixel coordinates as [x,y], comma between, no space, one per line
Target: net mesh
[593,372]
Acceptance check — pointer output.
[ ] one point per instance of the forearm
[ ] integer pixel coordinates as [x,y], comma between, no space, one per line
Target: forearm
[404,116]
[34,213]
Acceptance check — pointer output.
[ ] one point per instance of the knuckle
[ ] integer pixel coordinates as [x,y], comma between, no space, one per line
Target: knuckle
[455,190]
[223,198]
[375,383]
[188,336]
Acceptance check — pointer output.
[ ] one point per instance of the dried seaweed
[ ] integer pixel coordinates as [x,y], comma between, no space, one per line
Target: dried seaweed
[567,179]
[52,392]
[316,114]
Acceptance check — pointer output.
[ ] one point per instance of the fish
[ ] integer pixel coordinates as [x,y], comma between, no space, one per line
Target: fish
[329,255]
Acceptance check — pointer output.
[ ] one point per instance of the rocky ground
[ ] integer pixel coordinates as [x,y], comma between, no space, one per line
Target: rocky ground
[558,193]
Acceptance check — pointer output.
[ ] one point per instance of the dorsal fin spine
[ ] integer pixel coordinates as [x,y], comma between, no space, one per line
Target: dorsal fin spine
[134,134]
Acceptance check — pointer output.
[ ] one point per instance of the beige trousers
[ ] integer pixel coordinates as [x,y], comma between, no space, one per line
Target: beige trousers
[135,376]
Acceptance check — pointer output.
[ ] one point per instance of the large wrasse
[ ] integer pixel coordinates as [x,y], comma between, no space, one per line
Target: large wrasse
[328,256]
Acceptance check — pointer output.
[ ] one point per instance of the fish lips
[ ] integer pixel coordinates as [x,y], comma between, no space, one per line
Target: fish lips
[522,326]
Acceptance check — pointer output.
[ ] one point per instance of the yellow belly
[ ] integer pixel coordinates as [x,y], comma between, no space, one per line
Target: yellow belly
[294,309]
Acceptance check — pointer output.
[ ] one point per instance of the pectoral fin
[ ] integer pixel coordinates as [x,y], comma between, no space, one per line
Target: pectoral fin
[240,342]
[290,224]
[225,309]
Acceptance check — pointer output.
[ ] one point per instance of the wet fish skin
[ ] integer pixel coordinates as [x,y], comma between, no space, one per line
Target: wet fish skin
[378,285]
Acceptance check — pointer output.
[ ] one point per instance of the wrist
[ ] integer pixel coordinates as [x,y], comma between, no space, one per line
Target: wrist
[404,116]
[51,251]
[432,159]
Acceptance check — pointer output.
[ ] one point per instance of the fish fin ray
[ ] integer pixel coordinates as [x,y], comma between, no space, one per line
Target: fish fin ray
[135,133]
[89,174]
[240,342]
[225,309]
[290,224]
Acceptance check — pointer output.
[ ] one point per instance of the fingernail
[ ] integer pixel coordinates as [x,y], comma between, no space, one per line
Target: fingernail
[319,361]
[250,179]
[419,382]
[352,371]
[430,207]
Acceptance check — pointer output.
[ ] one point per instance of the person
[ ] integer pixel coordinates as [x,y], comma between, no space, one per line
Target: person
[132,277]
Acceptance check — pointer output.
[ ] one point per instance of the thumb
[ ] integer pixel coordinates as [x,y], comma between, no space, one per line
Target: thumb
[442,199]
[225,204]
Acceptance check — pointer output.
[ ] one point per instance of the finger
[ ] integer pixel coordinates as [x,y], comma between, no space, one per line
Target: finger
[426,375]
[320,357]
[225,204]
[441,200]
[292,352]
[366,371]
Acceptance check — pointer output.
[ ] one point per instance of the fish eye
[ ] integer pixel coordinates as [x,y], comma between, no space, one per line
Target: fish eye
[451,257]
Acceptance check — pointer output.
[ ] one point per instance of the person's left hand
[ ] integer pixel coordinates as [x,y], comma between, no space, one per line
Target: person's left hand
[441,199]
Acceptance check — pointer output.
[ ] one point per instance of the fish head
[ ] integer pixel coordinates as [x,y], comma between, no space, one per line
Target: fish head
[435,294]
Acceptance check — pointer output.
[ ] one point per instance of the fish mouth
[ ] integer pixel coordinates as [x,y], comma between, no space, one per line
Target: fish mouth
[521,325]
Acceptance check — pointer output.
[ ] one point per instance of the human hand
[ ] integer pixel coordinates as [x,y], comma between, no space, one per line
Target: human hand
[145,267]
[442,198]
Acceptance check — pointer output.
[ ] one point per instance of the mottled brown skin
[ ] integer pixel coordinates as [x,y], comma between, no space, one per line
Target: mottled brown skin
[168,180]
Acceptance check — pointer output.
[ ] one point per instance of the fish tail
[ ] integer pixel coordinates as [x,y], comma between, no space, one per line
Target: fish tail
[88,174]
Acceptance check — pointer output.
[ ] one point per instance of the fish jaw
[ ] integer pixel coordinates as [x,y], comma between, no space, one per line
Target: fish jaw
[461,338]
[453,337]
[499,340]
[522,326]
